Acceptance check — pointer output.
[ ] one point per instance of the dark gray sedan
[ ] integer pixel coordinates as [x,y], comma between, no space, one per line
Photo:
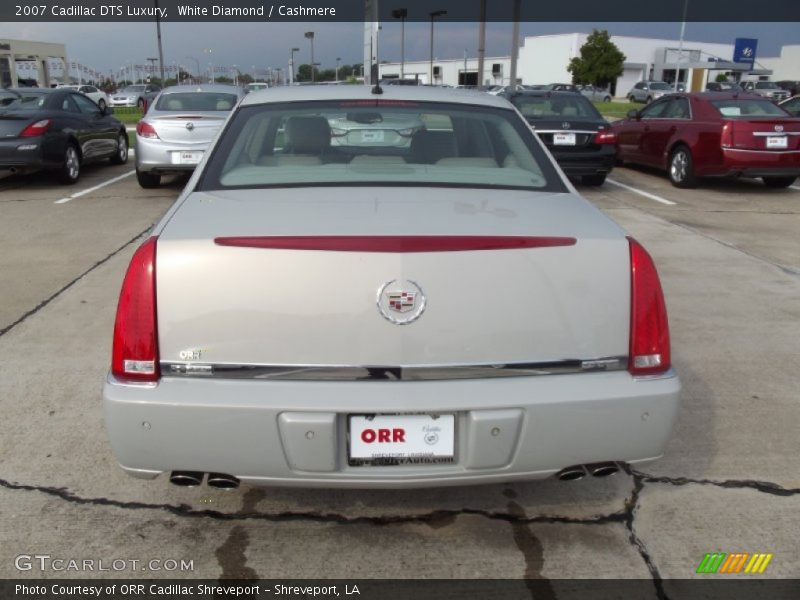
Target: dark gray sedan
[58,130]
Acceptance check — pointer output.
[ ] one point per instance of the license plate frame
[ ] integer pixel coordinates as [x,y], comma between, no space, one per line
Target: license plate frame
[372,136]
[564,139]
[442,451]
[777,142]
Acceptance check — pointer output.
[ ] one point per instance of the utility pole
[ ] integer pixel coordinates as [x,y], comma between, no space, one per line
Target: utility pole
[402,13]
[481,44]
[310,37]
[515,46]
[160,48]
[680,47]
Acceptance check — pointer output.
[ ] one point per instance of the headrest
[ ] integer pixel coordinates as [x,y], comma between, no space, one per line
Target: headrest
[174,104]
[308,135]
[224,105]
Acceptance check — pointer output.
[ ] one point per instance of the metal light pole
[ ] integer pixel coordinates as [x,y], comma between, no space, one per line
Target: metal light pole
[210,52]
[402,13]
[680,46]
[291,65]
[310,37]
[338,60]
[434,14]
[153,67]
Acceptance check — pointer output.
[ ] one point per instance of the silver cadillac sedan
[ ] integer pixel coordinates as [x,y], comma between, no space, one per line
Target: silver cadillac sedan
[178,127]
[309,314]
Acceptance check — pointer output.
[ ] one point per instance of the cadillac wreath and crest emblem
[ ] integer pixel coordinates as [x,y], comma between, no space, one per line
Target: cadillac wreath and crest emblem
[401,301]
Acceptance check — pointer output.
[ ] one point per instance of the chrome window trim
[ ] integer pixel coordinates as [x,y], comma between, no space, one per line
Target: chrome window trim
[395,373]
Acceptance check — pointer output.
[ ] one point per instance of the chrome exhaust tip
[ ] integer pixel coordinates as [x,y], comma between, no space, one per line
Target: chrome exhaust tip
[186,478]
[603,469]
[571,473]
[221,481]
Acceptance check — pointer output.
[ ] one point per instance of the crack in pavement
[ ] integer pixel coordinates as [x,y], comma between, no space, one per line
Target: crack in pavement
[765,487]
[48,300]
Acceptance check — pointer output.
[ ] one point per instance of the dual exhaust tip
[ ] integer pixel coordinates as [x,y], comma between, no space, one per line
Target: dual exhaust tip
[576,472]
[221,481]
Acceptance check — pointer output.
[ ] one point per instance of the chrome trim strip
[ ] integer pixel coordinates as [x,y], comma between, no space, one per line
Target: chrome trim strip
[396,373]
[569,131]
[761,151]
[774,133]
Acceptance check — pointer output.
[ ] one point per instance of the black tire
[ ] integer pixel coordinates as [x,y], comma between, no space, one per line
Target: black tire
[594,180]
[631,98]
[70,170]
[148,180]
[101,104]
[607,99]
[778,182]
[648,100]
[120,156]
[681,168]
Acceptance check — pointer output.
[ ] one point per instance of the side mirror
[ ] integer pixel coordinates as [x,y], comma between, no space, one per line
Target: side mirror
[633,114]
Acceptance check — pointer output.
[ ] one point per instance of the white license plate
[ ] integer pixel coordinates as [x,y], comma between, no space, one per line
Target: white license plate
[372,136]
[401,439]
[189,157]
[775,141]
[563,139]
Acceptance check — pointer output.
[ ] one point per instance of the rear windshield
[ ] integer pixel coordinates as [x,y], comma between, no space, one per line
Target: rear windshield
[199,101]
[746,107]
[26,101]
[549,107]
[377,142]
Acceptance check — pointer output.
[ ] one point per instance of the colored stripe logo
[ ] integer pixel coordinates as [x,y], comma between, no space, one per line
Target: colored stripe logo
[737,562]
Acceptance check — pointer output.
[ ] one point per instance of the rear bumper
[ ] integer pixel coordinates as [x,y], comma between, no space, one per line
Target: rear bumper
[22,154]
[294,433]
[157,155]
[760,163]
[589,162]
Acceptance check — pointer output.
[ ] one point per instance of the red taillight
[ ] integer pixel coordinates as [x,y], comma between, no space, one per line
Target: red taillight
[145,130]
[726,139]
[605,137]
[36,129]
[649,342]
[135,352]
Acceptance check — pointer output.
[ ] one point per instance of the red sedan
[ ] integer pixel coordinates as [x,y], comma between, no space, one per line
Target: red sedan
[713,134]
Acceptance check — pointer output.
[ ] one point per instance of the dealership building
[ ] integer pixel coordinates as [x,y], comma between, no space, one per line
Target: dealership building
[42,62]
[544,59]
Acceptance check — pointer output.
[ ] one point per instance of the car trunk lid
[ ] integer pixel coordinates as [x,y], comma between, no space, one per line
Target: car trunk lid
[772,134]
[257,304]
[188,128]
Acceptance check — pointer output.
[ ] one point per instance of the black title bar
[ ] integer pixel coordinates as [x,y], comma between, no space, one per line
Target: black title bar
[417,10]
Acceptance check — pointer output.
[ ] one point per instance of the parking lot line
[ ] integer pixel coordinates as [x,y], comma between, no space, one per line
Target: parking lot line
[642,192]
[92,189]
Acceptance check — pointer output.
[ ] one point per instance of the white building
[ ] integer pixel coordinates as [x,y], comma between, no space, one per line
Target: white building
[544,59]
[786,66]
[40,61]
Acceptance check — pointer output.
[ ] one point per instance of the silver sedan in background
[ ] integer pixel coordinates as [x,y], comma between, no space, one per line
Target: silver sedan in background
[178,128]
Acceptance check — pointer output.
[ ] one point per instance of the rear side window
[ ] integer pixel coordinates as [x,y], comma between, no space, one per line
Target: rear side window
[395,143]
[746,107]
[196,101]
[27,101]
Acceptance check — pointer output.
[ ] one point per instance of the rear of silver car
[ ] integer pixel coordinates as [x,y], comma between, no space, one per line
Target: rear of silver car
[177,129]
[387,335]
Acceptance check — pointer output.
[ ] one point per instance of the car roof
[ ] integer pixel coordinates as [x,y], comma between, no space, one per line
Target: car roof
[547,93]
[203,87]
[408,93]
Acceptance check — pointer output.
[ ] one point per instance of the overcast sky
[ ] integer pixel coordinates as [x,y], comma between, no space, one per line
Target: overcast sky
[106,46]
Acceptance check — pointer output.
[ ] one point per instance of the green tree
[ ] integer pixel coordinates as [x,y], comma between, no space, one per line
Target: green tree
[721,78]
[600,61]
[303,73]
